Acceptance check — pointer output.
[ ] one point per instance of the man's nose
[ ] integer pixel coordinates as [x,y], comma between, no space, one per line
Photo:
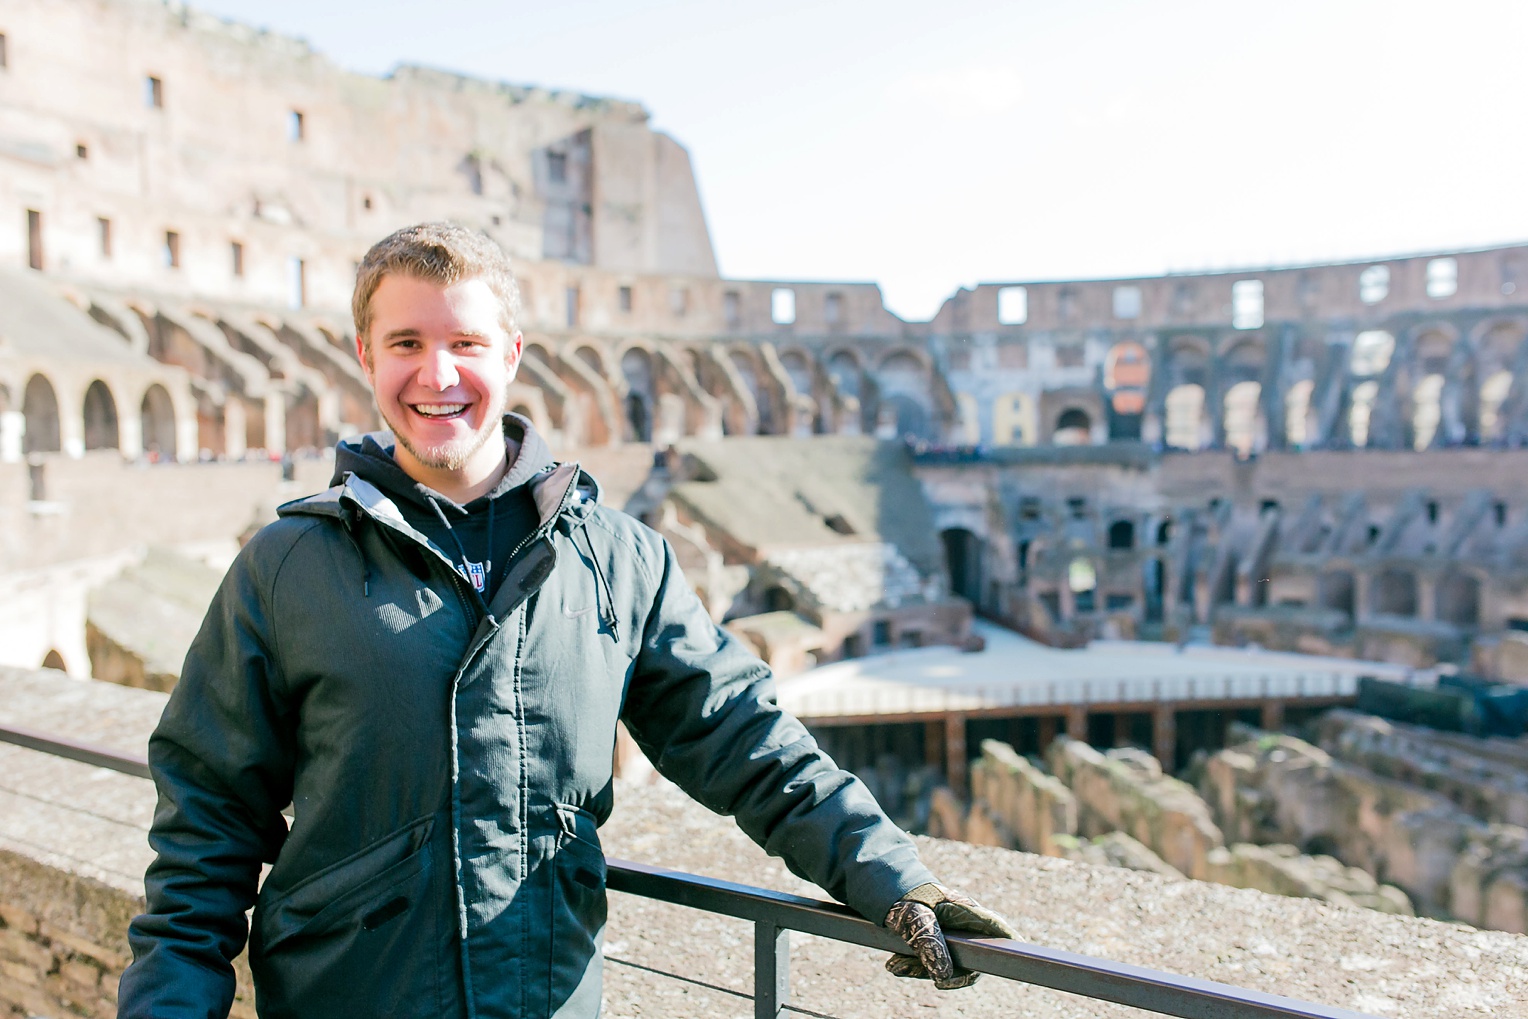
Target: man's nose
[438,370]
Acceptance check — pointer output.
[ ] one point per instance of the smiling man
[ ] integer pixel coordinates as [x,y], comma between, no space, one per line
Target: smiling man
[428,662]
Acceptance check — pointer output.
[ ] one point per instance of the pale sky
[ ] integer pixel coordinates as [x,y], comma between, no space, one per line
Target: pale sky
[927,146]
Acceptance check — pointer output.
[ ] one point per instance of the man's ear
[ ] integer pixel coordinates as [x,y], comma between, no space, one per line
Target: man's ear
[513,352]
[360,355]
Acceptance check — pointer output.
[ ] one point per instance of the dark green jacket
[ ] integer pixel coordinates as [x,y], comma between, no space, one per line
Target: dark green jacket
[448,773]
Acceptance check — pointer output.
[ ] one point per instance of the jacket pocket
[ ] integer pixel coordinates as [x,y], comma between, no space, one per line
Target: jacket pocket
[361,937]
[578,911]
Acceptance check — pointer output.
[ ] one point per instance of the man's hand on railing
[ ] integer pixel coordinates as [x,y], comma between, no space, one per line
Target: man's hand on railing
[922,916]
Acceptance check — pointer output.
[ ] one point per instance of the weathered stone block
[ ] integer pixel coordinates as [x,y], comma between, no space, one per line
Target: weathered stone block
[17,919]
[30,952]
[82,974]
[17,972]
[1126,791]
[106,958]
[1033,806]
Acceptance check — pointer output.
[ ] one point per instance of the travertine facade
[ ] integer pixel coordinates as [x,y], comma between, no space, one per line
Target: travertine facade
[202,192]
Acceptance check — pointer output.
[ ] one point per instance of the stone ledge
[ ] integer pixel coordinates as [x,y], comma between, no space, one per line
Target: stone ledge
[74,913]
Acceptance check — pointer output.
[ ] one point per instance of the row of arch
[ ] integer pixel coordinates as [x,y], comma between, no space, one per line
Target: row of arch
[644,392]
[1429,386]
[1396,591]
[32,422]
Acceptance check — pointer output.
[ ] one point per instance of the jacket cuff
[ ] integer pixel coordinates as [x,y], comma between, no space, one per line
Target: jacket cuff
[875,899]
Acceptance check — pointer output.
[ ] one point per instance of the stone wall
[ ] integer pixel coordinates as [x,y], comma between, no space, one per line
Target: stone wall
[1487,778]
[73,848]
[1275,788]
[63,938]
[1015,804]
[1126,791]
[1118,809]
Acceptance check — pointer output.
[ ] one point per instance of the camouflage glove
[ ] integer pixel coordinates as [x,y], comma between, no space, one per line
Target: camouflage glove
[922,916]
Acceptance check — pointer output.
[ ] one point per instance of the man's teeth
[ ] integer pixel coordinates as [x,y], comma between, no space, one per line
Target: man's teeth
[439,409]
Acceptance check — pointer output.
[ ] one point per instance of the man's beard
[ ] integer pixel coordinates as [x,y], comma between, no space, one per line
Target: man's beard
[452,456]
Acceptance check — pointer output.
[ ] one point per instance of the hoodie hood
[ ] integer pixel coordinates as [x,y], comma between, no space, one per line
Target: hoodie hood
[369,480]
[370,456]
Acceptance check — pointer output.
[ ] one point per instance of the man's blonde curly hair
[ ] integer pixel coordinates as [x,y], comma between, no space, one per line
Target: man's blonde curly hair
[441,253]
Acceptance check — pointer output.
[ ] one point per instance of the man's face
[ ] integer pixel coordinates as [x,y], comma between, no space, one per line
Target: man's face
[440,361]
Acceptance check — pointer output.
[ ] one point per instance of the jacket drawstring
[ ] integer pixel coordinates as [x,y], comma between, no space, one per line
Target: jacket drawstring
[482,594]
[607,613]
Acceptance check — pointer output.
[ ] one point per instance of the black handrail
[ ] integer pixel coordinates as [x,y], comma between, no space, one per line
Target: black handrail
[99,757]
[775,914]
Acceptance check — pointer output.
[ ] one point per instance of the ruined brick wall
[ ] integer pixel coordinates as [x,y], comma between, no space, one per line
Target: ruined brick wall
[63,943]
[1275,788]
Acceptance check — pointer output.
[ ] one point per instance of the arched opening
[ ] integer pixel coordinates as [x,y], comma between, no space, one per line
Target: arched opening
[747,371]
[845,372]
[54,660]
[1122,535]
[1082,579]
[637,367]
[1155,590]
[1244,419]
[101,430]
[902,415]
[799,370]
[962,551]
[1335,591]
[10,428]
[1371,353]
[638,418]
[903,381]
[1127,371]
[158,418]
[39,409]
[591,359]
[1395,593]
[1073,428]
[1298,430]
[1426,411]
[1459,599]
[1360,411]
[1164,532]
[1493,397]
[1185,425]
[778,599]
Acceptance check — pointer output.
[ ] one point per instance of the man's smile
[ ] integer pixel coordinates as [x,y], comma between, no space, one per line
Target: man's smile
[439,411]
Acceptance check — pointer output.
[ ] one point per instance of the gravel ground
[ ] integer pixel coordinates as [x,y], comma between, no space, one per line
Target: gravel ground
[1356,959]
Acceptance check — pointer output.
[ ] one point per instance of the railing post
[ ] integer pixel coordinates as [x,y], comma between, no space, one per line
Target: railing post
[771,970]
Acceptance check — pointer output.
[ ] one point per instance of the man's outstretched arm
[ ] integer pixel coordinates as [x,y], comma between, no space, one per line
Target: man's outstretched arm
[221,765]
[703,709]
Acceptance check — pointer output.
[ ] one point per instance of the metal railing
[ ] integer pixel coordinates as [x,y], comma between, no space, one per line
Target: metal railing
[775,914]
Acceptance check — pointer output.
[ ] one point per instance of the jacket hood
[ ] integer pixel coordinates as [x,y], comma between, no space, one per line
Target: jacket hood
[370,456]
[366,473]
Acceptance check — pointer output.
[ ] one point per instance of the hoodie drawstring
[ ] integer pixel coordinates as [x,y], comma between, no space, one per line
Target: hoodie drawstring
[482,593]
[607,612]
